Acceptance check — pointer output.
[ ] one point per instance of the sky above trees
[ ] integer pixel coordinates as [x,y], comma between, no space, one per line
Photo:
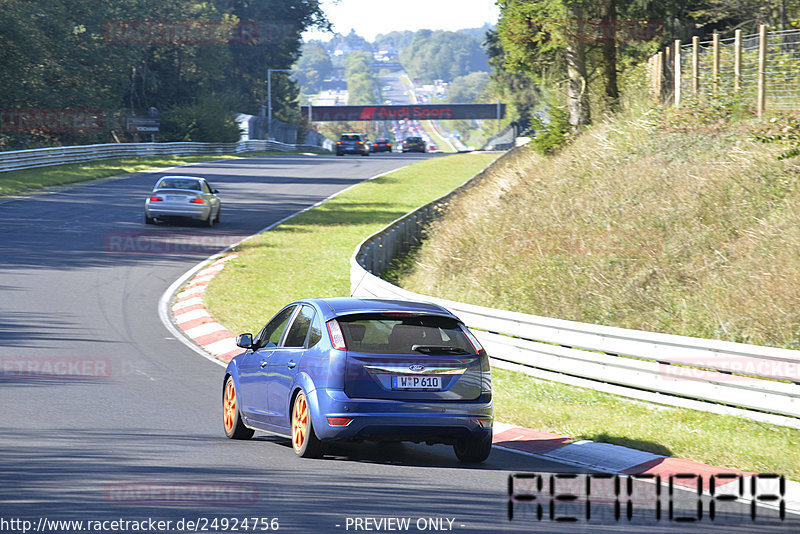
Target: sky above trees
[370,17]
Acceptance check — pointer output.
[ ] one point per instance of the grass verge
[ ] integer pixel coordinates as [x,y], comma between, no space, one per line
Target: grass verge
[704,437]
[29,180]
[441,143]
[308,255]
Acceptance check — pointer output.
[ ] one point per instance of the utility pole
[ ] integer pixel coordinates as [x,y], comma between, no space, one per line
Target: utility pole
[269,96]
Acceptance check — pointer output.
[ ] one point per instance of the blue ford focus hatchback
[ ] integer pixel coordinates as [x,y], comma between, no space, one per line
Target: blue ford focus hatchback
[359,369]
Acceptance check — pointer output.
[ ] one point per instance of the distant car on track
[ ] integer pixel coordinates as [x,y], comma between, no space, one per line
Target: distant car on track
[381,144]
[354,369]
[183,197]
[352,143]
[413,144]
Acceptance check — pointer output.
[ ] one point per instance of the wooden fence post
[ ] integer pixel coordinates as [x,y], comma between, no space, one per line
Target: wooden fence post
[677,75]
[653,77]
[660,76]
[737,59]
[762,65]
[695,66]
[715,63]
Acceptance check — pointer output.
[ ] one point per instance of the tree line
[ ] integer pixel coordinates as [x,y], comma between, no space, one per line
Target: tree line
[195,62]
[576,52]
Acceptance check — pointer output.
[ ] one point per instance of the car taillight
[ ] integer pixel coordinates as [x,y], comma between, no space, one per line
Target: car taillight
[473,340]
[155,199]
[388,144]
[335,332]
[197,201]
[338,142]
[361,142]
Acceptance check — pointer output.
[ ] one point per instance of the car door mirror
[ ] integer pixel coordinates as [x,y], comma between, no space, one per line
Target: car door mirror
[215,191]
[245,341]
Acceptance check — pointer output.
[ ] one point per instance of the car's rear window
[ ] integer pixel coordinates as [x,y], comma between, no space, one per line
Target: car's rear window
[397,334]
[179,183]
[351,138]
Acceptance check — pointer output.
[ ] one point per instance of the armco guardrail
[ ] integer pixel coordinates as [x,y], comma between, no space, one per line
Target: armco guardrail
[760,383]
[42,157]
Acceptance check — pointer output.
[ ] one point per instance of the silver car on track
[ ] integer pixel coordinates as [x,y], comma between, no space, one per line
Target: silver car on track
[183,197]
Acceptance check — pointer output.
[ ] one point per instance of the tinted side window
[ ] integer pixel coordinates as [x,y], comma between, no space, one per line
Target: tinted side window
[314,335]
[299,329]
[271,334]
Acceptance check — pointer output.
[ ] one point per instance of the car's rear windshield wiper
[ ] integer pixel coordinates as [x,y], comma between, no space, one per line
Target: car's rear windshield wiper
[438,349]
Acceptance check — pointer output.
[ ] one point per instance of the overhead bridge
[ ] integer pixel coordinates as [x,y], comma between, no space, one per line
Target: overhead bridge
[399,112]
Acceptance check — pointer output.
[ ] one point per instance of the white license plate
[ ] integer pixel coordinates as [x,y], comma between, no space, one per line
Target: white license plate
[176,197]
[416,382]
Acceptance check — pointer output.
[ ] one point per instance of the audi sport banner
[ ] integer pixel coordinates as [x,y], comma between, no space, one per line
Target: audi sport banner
[413,112]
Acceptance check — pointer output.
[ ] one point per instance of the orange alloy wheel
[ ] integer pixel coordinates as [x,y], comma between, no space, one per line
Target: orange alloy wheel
[299,422]
[229,407]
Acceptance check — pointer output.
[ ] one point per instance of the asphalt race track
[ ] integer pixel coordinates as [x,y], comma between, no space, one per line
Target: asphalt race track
[106,417]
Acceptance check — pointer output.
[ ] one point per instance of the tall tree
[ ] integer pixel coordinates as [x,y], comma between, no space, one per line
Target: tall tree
[435,55]
[516,87]
[609,53]
[88,54]
[543,35]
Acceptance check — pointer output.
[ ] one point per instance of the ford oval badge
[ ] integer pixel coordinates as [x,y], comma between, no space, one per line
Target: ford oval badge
[417,368]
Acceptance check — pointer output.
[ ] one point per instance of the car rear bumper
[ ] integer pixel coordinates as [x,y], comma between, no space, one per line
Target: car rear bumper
[199,212]
[391,420]
[351,150]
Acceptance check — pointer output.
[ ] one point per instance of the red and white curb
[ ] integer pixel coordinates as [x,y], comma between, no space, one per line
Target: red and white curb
[620,460]
[191,316]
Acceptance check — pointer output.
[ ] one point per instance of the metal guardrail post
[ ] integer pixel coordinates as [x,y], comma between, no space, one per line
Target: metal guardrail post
[375,246]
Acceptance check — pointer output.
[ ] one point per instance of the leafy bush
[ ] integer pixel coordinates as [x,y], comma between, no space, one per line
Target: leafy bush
[208,120]
[553,135]
[782,130]
[707,114]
